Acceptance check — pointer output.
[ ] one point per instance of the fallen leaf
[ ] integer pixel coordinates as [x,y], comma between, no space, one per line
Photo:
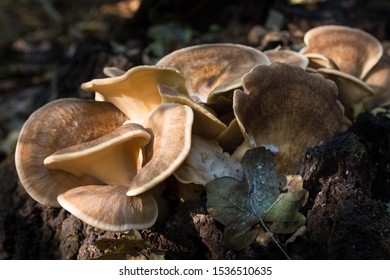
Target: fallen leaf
[241,205]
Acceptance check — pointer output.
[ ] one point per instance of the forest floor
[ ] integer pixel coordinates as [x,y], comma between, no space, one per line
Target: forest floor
[48,48]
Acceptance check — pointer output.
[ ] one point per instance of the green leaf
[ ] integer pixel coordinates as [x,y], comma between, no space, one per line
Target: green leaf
[283,217]
[240,205]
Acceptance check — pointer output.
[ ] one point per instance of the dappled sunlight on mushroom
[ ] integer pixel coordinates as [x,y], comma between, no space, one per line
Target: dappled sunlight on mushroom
[288,109]
[114,158]
[206,162]
[171,127]
[57,125]
[353,50]
[288,57]
[135,92]
[352,91]
[108,207]
[214,68]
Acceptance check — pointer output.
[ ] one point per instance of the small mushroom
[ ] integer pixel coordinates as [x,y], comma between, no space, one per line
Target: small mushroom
[353,50]
[171,127]
[135,93]
[352,91]
[287,110]
[114,158]
[206,162]
[213,68]
[288,57]
[108,207]
[57,125]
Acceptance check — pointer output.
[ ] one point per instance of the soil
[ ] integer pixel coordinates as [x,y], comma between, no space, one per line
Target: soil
[348,178]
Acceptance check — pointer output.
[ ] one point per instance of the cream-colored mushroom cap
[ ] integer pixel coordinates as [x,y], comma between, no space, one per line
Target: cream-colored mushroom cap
[352,91]
[213,68]
[287,110]
[114,158]
[288,57]
[353,50]
[57,125]
[171,127]
[108,207]
[135,92]
[205,122]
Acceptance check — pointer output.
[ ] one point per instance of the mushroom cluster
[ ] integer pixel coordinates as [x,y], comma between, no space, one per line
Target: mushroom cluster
[355,61]
[188,119]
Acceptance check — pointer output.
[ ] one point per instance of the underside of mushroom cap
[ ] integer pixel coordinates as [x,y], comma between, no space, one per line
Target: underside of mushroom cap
[353,50]
[135,92]
[352,91]
[213,68]
[114,158]
[170,125]
[205,123]
[287,110]
[109,208]
[57,125]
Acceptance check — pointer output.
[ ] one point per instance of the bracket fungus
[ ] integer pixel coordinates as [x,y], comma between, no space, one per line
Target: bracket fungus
[288,57]
[213,68]
[55,126]
[287,110]
[354,51]
[135,92]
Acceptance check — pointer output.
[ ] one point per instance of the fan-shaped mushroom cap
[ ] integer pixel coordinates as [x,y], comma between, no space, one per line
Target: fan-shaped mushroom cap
[213,68]
[288,110]
[353,50]
[135,93]
[205,123]
[288,57]
[108,207]
[57,125]
[171,127]
[352,91]
[206,162]
[113,158]
[379,80]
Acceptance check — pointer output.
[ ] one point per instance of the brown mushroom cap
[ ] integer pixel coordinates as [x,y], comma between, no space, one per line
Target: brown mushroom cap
[108,207]
[353,50]
[352,91]
[288,57]
[317,60]
[171,127]
[57,125]
[379,80]
[114,158]
[135,93]
[213,67]
[288,110]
